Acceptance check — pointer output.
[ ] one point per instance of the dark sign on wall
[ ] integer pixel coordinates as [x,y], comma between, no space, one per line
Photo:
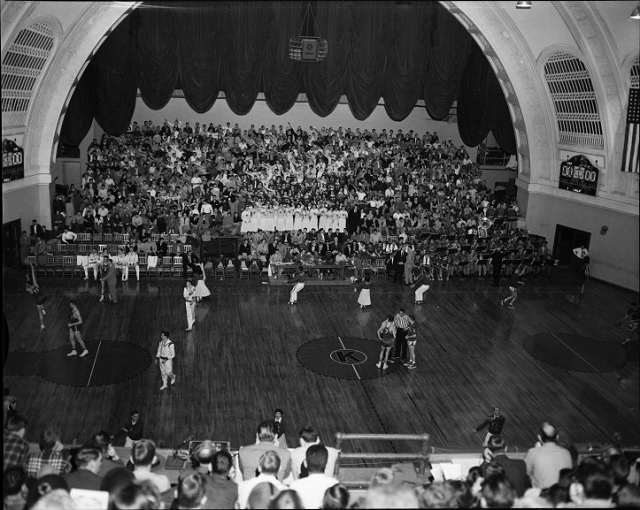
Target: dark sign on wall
[12,161]
[579,175]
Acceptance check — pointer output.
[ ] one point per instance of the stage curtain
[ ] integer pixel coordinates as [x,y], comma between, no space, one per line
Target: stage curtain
[367,59]
[200,51]
[449,45]
[79,115]
[407,57]
[475,107]
[502,125]
[244,54]
[281,77]
[400,51]
[158,53]
[116,77]
[324,82]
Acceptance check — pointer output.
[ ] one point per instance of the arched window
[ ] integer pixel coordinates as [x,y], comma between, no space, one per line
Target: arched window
[574,100]
[21,67]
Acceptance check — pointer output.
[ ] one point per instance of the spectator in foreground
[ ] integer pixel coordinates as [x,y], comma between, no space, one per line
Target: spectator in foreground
[312,488]
[249,456]
[309,436]
[222,491]
[52,453]
[287,499]
[142,454]
[336,497]
[15,447]
[88,460]
[389,496]
[57,499]
[594,486]
[497,492]
[14,488]
[268,466]
[136,496]
[546,459]
[514,469]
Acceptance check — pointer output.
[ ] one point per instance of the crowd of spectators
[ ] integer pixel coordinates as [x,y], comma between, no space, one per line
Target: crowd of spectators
[264,474]
[311,196]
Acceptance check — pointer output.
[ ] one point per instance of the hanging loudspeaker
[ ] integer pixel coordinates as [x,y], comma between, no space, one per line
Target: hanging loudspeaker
[309,49]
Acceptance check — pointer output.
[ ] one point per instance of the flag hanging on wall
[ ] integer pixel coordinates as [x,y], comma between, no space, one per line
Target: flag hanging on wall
[632,134]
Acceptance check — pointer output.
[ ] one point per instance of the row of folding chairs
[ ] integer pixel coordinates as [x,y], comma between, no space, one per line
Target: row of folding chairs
[88,238]
[246,271]
[67,265]
[112,248]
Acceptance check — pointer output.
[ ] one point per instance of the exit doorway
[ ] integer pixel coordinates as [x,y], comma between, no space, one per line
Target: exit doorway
[10,244]
[566,239]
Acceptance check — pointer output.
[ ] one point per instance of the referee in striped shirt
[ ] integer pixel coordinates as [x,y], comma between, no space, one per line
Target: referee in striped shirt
[402,322]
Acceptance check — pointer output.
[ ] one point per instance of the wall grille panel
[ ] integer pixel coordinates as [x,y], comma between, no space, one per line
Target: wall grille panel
[574,99]
[21,67]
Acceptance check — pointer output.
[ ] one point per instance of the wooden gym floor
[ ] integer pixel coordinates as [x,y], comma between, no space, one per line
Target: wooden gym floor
[555,357]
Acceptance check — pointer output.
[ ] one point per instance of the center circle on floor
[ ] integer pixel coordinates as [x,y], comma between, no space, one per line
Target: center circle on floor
[344,357]
[108,362]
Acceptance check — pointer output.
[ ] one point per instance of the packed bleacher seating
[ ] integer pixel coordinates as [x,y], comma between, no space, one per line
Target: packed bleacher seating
[316,196]
[267,474]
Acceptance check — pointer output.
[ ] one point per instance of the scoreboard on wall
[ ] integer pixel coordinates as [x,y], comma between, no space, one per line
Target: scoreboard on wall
[579,175]
[12,161]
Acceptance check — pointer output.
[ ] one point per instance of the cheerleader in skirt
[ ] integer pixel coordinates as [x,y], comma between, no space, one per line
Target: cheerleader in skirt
[364,298]
[201,288]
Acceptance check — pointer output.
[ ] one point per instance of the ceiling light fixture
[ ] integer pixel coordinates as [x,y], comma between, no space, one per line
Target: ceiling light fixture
[523,4]
[636,12]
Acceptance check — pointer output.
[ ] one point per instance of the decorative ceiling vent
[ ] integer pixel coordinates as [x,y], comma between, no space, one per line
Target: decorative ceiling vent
[574,99]
[21,67]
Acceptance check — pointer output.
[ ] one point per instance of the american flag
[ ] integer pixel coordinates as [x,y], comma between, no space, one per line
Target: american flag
[632,135]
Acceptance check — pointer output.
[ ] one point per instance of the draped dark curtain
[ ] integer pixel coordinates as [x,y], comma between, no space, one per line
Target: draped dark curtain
[116,77]
[158,54]
[398,51]
[79,114]
[481,105]
[445,67]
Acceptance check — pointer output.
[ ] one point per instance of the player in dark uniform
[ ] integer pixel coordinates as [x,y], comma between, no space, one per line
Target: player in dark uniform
[34,289]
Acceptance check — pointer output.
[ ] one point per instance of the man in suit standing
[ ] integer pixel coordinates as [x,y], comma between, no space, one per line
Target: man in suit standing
[408,265]
[249,456]
[514,469]
[494,424]
[279,428]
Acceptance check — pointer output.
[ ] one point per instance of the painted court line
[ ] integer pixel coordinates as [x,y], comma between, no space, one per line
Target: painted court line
[352,366]
[94,363]
[553,334]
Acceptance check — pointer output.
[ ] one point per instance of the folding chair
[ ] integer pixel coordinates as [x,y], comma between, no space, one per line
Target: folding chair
[165,268]
[176,268]
[151,271]
[254,271]
[244,270]
[68,263]
[219,271]
[58,265]
[142,262]
[230,270]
